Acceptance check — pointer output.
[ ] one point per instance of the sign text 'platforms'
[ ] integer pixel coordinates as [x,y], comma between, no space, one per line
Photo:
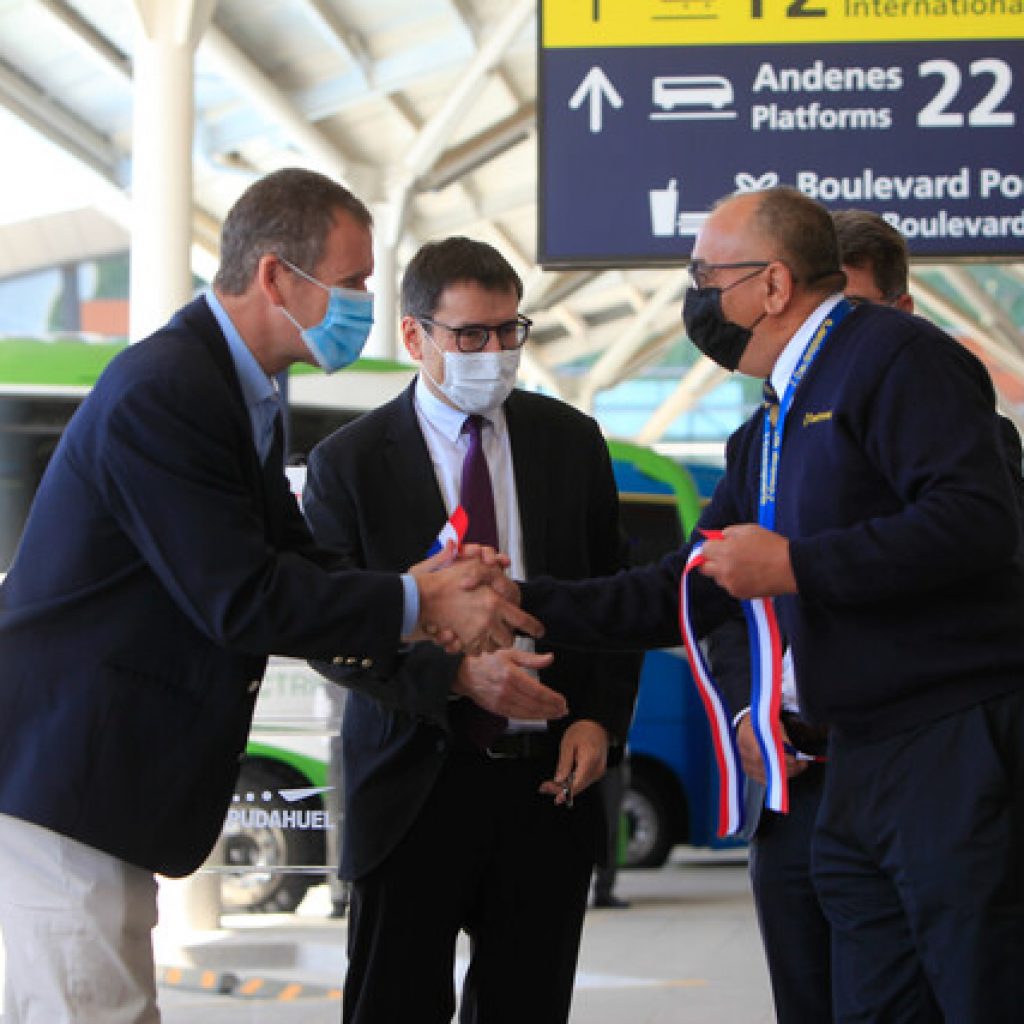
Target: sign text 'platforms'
[651,110]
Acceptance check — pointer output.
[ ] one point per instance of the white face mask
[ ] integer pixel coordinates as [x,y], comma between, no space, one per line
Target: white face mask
[476,382]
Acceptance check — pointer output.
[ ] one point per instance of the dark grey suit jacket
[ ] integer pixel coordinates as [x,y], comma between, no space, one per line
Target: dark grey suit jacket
[371,494]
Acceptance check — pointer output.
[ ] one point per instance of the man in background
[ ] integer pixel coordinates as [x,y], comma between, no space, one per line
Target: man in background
[458,817]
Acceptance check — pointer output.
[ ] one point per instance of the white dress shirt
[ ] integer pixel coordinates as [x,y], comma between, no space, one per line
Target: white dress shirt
[447,444]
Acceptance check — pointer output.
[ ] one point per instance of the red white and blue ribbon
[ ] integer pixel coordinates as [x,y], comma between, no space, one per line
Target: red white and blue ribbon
[766,697]
[723,742]
[762,629]
[451,533]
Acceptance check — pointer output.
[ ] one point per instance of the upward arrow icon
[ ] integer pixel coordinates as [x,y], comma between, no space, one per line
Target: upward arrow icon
[595,87]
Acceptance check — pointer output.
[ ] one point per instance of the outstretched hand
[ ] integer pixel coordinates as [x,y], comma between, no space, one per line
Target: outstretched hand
[503,682]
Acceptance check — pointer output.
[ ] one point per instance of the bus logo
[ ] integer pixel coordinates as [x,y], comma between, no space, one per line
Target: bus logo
[692,98]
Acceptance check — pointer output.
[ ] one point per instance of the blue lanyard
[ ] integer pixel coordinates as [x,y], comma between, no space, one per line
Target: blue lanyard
[771,441]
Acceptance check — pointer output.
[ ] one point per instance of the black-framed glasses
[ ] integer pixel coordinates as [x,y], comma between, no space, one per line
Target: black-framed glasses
[701,270]
[474,337]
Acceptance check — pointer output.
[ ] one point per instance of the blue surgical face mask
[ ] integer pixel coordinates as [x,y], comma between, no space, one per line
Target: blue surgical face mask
[339,338]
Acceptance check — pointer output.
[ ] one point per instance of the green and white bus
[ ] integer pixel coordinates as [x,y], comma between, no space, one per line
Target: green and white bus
[274,842]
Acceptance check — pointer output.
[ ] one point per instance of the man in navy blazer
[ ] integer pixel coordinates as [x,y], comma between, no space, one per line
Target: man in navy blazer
[896,569]
[444,831]
[163,560]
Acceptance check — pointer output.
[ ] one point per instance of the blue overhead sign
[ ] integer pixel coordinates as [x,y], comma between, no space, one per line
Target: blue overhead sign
[638,140]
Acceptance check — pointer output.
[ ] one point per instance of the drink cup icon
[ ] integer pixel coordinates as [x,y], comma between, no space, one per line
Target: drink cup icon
[664,204]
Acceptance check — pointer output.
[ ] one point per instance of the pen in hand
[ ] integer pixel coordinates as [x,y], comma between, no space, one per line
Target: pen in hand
[567,784]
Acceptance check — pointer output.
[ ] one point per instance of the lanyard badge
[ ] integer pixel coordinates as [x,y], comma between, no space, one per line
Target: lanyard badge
[762,629]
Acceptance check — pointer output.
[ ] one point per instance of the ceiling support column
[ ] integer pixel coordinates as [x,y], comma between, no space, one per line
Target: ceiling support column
[168,32]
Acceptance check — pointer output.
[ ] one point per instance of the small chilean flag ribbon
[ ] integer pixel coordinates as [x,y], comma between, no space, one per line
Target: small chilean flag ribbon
[451,533]
[766,698]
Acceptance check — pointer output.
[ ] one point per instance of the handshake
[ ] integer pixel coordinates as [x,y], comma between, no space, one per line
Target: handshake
[467,603]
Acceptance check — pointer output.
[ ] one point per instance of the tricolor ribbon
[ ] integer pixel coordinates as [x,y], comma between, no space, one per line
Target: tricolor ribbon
[451,533]
[723,742]
[766,698]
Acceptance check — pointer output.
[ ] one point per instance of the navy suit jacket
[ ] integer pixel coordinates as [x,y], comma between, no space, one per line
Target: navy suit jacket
[159,566]
[371,493]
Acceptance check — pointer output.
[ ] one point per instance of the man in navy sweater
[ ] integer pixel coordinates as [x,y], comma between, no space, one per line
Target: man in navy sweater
[894,564]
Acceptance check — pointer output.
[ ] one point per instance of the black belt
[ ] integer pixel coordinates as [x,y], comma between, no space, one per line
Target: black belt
[533,745]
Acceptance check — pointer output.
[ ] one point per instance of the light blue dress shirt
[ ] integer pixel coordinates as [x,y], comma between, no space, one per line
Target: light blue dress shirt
[258,389]
[262,403]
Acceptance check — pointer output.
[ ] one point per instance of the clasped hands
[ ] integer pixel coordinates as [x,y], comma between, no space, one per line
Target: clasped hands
[468,605]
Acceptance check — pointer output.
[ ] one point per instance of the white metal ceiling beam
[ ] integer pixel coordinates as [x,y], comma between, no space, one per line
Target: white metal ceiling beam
[520,196]
[56,123]
[400,72]
[607,371]
[353,49]
[654,348]
[990,313]
[422,154]
[466,21]
[256,87]
[575,325]
[487,145]
[942,308]
[565,351]
[701,378]
[502,241]
[93,41]
[560,287]
[534,373]
[348,44]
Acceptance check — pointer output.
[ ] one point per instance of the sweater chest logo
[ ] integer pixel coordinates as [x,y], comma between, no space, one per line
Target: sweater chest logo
[810,418]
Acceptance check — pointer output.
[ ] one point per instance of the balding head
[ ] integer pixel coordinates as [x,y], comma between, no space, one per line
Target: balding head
[774,256]
[794,229]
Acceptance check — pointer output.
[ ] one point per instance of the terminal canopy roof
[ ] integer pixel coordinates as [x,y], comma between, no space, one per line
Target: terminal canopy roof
[427,110]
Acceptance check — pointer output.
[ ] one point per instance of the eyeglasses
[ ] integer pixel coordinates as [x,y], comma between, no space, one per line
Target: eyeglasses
[474,337]
[701,270]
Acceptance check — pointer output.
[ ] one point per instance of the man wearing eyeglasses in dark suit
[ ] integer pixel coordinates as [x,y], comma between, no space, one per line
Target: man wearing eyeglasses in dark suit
[454,818]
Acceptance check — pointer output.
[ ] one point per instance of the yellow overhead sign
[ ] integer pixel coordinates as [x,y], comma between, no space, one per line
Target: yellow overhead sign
[601,23]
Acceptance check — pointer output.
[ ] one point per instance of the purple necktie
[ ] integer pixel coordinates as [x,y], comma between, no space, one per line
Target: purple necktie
[475,493]
[475,724]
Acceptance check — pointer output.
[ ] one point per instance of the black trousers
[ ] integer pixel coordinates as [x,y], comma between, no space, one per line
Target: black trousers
[612,788]
[794,930]
[489,855]
[918,860]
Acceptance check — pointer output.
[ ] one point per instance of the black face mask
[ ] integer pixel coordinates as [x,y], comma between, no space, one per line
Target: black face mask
[719,339]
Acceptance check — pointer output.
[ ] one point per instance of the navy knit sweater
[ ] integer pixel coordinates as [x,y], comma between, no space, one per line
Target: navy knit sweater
[895,492]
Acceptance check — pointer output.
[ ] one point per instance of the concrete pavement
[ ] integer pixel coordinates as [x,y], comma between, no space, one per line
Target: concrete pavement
[686,952]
